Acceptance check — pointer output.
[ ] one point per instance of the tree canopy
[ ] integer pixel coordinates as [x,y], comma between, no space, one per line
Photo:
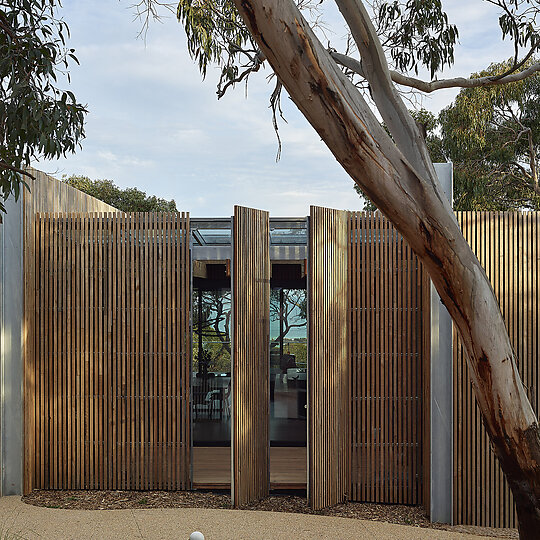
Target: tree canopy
[492,136]
[37,118]
[125,200]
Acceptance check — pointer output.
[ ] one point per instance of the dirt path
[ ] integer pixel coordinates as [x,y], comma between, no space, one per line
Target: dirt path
[197,500]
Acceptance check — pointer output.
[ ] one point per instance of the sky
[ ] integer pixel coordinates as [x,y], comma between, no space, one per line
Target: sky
[154,124]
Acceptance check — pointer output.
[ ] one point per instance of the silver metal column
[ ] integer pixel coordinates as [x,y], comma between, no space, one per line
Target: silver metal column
[441,444]
[11,362]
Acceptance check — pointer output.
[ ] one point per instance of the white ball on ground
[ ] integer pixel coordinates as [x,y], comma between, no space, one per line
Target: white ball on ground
[196,536]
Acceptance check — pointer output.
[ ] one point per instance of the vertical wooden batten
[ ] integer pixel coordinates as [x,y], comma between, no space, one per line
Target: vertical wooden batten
[250,438]
[328,359]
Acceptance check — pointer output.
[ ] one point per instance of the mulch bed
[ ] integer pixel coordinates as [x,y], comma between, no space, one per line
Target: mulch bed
[119,500]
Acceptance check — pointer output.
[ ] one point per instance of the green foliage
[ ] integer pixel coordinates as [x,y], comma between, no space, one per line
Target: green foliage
[368,205]
[426,119]
[125,200]
[37,119]
[517,21]
[417,33]
[216,352]
[492,136]
[217,34]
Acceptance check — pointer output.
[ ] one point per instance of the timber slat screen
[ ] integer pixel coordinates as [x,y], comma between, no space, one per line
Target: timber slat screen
[250,435]
[45,194]
[386,340]
[112,351]
[328,391]
[508,247]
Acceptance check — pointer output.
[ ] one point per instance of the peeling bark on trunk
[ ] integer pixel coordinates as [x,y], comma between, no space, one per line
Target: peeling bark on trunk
[411,197]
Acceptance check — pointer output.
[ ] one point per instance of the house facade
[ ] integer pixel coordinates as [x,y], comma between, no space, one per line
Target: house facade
[160,351]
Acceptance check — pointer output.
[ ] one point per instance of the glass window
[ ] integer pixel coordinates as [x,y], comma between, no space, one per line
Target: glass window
[211,367]
[288,367]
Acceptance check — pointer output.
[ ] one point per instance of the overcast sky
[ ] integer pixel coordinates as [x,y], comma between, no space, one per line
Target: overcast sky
[154,124]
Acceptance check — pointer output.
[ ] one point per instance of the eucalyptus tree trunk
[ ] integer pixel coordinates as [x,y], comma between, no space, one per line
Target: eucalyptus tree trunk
[400,179]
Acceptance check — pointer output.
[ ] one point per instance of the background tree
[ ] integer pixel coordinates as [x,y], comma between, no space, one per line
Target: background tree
[288,307]
[492,136]
[125,200]
[37,119]
[211,329]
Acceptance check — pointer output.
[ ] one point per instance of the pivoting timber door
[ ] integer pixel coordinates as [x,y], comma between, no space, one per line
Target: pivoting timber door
[389,338]
[110,399]
[250,437]
[328,360]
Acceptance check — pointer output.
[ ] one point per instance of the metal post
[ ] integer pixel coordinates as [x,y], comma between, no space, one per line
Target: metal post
[11,361]
[441,390]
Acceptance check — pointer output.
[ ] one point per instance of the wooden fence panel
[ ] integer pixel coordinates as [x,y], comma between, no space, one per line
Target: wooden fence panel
[112,352]
[250,435]
[328,364]
[507,246]
[387,341]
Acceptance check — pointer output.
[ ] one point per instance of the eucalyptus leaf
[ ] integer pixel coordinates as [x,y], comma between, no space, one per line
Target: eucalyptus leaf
[37,119]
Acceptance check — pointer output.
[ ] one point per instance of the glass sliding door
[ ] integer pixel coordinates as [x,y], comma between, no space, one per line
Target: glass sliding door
[211,384]
[288,367]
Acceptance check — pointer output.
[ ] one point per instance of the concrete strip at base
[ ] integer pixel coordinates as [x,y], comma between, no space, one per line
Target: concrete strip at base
[22,521]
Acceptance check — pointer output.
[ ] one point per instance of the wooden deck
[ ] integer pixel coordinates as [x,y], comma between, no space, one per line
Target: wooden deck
[212,467]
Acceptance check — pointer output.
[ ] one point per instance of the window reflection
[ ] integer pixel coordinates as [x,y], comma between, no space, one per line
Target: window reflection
[288,367]
[211,367]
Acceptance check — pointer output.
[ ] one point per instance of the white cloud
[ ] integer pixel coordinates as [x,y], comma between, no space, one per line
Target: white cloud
[123,161]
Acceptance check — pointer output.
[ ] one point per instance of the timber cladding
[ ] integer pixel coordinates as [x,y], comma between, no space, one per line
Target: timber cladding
[250,437]
[328,374]
[44,194]
[508,247]
[387,295]
[111,363]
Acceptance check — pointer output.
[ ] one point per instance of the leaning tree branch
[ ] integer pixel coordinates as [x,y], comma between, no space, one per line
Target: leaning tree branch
[7,166]
[231,82]
[401,124]
[345,122]
[518,137]
[424,86]
[516,65]
[523,170]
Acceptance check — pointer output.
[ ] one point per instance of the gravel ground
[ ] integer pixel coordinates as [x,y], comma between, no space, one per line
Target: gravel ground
[294,503]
